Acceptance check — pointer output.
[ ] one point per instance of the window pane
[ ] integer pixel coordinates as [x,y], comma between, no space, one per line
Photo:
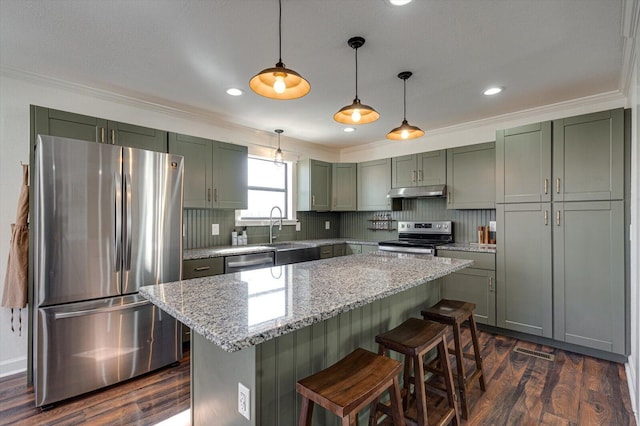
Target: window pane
[261,202]
[266,174]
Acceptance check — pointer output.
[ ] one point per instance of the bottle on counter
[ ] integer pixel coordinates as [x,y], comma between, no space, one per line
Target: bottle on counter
[234,238]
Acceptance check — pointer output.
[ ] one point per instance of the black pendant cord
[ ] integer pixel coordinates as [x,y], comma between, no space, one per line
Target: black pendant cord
[357,74]
[405,101]
[280,32]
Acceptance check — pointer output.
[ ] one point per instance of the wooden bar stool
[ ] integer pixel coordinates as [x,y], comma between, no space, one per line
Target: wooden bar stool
[454,313]
[414,338]
[351,384]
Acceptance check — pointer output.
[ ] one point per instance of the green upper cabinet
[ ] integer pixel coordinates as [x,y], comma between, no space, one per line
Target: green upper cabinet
[230,176]
[427,168]
[523,164]
[137,136]
[471,177]
[314,185]
[215,173]
[524,279]
[374,183]
[588,157]
[588,274]
[344,183]
[47,121]
[198,168]
[76,126]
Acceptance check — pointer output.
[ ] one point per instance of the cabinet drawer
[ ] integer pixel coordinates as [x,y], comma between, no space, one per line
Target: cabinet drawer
[326,252]
[481,260]
[196,268]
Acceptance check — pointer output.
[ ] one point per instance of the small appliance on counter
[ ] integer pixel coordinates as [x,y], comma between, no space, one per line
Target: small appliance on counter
[420,237]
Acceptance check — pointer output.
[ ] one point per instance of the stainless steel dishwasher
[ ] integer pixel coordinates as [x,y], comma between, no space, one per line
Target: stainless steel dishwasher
[245,262]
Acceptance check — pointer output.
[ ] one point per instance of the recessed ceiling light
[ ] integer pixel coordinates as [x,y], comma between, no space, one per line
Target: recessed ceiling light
[399,2]
[492,91]
[349,129]
[234,92]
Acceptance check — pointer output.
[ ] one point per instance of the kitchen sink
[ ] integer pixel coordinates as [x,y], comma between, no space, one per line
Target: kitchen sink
[292,252]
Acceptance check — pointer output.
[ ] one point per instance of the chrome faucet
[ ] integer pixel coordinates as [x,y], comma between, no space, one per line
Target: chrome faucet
[271,223]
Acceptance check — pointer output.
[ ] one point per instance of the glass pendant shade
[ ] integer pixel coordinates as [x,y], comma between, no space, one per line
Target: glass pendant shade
[356,113]
[278,157]
[279,82]
[405,130]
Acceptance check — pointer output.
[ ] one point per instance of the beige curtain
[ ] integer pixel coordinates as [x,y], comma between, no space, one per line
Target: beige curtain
[14,295]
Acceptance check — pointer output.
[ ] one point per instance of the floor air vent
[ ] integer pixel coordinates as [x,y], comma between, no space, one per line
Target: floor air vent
[537,354]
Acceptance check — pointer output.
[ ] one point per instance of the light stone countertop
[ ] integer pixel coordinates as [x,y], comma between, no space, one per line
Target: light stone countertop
[219,251]
[244,309]
[476,248]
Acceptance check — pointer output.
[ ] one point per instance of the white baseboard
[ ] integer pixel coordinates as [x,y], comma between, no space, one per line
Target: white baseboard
[13,366]
[632,381]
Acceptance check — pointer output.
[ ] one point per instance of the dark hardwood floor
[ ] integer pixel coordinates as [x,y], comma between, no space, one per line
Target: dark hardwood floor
[521,390]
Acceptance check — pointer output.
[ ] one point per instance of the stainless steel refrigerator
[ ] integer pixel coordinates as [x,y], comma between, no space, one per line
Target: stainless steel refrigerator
[108,219]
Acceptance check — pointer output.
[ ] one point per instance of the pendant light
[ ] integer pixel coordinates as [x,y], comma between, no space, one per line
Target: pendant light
[356,113]
[279,82]
[278,158]
[405,130]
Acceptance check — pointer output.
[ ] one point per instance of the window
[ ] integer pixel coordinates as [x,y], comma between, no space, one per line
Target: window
[268,186]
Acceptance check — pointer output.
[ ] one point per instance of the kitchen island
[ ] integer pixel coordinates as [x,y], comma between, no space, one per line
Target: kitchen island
[268,328]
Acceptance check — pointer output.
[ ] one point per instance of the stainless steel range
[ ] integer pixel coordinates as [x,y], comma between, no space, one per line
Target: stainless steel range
[420,237]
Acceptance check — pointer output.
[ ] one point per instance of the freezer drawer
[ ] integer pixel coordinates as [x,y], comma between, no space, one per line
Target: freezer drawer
[88,345]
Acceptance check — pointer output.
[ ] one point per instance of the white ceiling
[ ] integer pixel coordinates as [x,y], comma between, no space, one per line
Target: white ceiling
[186,53]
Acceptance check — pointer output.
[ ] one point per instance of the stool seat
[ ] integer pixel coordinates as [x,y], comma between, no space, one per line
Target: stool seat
[454,313]
[414,339]
[351,384]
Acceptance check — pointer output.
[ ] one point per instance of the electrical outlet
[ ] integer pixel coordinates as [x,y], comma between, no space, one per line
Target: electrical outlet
[298,225]
[215,229]
[492,225]
[244,401]
[327,224]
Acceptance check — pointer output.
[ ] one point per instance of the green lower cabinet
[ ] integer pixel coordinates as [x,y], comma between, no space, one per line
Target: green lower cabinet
[476,285]
[354,249]
[524,275]
[588,275]
[197,268]
[339,250]
[326,252]
[369,248]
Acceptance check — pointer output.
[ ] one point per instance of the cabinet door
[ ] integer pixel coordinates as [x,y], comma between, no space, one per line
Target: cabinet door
[471,177]
[475,286]
[404,171]
[197,153]
[230,181]
[354,249]
[320,185]
[343,185]
[52,122]
[588,274]
[374,183]
[523,164]
[137,136]
[588,157]
[524,286]
[432,168]
[339,250]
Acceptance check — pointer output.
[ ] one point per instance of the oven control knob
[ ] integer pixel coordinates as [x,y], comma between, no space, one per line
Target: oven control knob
[439,226]
[446,226]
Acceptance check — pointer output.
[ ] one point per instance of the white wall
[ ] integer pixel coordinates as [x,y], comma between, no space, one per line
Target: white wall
[18,91]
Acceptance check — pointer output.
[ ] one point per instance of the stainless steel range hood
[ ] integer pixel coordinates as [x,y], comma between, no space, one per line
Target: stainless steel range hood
[418,191]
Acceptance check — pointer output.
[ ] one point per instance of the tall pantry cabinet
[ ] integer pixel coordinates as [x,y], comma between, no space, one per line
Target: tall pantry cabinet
[560,260]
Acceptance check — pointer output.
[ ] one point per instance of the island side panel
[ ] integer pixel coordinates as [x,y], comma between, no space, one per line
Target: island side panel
[282,361]
[215,374]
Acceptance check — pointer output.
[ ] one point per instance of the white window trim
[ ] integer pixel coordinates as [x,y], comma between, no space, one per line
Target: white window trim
[292,202]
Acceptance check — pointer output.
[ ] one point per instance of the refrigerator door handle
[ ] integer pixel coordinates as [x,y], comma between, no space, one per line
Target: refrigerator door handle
[127,258]
[92,311]
[118,219]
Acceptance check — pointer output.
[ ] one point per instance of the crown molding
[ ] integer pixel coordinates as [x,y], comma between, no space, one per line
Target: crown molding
[258,138]
[594,100]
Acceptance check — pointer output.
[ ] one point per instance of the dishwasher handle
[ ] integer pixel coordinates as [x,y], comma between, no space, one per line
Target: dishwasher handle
[246,262]
[243,263]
